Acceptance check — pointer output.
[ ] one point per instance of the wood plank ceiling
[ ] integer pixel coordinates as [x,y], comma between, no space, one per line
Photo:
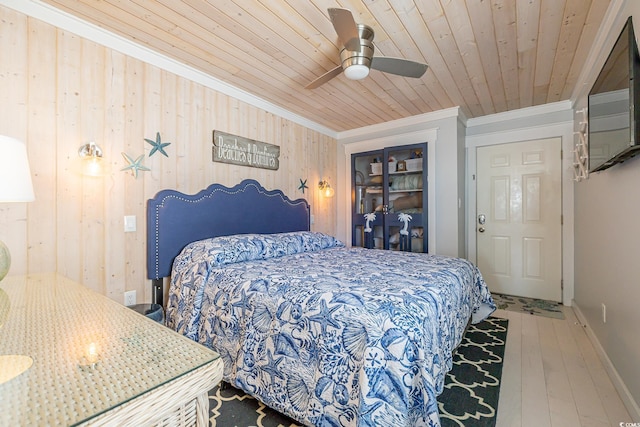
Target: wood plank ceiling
[486,56]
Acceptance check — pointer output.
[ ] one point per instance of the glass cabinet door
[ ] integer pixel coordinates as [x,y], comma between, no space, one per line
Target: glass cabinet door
[368,199]
[405,193]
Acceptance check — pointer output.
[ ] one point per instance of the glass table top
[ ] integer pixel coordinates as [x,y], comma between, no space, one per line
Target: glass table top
[89,354]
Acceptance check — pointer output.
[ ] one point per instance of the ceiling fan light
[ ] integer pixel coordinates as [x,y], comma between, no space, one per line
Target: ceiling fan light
[356,72]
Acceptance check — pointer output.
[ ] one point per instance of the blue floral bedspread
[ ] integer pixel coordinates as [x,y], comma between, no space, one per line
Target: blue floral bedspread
[329,335]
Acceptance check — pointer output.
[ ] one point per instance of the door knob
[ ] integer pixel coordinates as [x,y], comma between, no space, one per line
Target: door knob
[481,219]
[481,229]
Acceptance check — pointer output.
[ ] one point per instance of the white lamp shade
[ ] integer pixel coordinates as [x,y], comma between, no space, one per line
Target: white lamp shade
[15,175]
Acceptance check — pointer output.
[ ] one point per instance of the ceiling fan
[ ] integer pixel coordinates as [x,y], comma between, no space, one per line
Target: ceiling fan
[356,56]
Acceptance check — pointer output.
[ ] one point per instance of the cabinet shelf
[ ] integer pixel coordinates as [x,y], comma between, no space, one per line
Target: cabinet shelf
[397,173]
[379,191]
[373,190]
[415,190]
[405,172]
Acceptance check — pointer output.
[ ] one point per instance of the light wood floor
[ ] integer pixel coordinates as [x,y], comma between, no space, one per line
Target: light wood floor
[552,376]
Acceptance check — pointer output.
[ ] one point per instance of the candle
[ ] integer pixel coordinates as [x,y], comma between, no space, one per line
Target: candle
[90,358]
[92,353]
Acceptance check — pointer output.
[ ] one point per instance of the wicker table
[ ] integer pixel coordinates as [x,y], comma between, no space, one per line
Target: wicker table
[95,361]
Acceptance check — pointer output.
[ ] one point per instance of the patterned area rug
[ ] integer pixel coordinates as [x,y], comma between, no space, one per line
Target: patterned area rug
[538,307]
[469,399]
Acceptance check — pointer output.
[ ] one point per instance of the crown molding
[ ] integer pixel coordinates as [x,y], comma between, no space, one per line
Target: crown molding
[527,112]
[403,125]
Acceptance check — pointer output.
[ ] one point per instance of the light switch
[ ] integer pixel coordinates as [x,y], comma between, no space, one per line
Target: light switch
[129,223]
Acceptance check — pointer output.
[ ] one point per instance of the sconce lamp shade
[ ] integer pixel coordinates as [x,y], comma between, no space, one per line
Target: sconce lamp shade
[15,174]
[325,188]
[92,163]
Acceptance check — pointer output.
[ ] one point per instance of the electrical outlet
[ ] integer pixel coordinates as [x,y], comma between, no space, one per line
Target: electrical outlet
[604,313]
[130,298]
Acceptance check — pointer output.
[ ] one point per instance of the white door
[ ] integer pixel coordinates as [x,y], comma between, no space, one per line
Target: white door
[519,208]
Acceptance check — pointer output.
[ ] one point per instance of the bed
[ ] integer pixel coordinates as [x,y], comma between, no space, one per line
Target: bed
[327,334]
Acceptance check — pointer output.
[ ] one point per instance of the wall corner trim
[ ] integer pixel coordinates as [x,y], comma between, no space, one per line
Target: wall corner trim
[618,383]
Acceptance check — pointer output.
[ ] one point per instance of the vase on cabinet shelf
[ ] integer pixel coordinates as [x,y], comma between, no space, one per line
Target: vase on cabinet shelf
[392,184]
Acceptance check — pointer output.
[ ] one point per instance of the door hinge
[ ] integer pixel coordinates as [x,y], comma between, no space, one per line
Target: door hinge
[561,219]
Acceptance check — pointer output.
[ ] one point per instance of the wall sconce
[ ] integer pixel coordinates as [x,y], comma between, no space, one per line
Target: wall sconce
[92,162]
[326,189]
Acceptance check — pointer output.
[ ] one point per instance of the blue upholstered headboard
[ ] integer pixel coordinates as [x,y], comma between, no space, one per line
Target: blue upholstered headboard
[175,219]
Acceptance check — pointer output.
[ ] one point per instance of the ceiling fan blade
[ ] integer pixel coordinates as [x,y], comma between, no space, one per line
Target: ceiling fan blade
[399,66]
[324,78]
[345,27]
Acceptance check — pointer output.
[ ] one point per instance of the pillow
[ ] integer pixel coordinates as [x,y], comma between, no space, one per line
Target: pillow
[219,251]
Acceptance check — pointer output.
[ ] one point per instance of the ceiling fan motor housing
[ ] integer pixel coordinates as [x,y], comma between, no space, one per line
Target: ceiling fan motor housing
[363,55]
[365,32]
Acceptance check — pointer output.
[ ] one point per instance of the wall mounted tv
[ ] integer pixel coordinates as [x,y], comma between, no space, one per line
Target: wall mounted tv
[614,105]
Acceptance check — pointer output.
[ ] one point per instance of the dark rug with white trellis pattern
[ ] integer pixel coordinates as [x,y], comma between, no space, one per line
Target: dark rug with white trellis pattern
[470,396]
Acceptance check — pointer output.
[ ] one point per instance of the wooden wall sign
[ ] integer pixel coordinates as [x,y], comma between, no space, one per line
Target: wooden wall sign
[244,152]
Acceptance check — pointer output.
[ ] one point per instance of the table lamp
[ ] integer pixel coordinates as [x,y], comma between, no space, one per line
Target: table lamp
[15,184]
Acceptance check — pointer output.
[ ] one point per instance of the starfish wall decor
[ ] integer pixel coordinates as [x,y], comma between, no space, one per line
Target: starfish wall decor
[134,165]
[158,145]
[303,185]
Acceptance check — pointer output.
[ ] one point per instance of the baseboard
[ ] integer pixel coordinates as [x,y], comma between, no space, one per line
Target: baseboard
[623,391]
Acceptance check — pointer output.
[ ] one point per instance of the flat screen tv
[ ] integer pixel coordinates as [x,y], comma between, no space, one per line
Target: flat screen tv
[614,116]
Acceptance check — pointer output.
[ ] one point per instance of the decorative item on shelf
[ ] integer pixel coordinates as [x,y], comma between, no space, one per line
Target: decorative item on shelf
[158,145]
[414,165]
[392,164]
[134,165]
[361,194]
[326,189]
[404,232]
[92,161]
[303,185]
[376,168]
[581,150]
[15,184]
[368,236]
[401,166]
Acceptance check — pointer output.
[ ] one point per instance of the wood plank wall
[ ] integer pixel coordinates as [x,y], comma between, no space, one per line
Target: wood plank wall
[59,91]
